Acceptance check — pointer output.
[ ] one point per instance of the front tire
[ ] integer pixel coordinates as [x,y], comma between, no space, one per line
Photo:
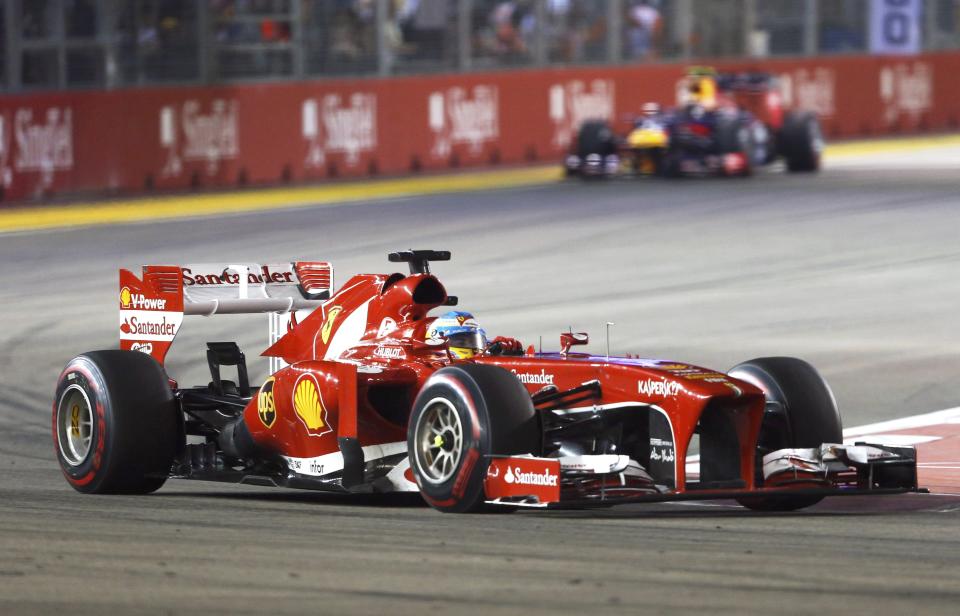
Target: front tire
[809,418]
[115,423]
[596,142]
[596,137]
[801,142]
[733,136]
[463,414]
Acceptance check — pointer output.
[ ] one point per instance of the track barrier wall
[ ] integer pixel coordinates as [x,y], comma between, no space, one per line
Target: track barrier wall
[164,139]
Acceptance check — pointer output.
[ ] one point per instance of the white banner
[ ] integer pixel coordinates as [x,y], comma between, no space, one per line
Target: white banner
[895,26]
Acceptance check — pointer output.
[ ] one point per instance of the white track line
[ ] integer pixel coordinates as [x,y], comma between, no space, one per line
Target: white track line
[946,416]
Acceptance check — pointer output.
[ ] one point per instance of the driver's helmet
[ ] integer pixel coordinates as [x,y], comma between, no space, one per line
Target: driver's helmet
[465,336]
[702,90]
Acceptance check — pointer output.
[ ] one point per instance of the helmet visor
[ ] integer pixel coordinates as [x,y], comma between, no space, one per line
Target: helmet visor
[474,340]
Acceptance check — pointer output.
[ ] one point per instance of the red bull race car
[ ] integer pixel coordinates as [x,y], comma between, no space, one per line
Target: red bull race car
[368,393]
[726,124]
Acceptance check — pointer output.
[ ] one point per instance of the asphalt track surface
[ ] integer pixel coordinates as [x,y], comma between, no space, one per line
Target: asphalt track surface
[854,270]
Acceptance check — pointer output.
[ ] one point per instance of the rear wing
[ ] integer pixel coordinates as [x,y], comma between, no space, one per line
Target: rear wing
[152,307]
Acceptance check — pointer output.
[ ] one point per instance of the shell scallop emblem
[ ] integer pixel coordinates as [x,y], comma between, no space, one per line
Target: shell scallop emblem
[125,297]
[309,407]
[328,323]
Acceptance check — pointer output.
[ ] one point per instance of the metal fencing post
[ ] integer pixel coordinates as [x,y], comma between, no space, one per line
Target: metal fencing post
[299,44]
[204,42]
[12,42]
[380,29]
[105,39]
[931,38]
[540,35]
[811,27]
[60,38]
[464,48]
[749,24]
[614,30]
[684,27]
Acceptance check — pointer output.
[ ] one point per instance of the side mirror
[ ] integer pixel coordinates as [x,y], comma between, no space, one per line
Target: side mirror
[569,339]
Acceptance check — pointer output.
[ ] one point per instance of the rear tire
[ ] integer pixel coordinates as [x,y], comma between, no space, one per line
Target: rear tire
[115,423]
[463,414]
[810,414]
[801,142]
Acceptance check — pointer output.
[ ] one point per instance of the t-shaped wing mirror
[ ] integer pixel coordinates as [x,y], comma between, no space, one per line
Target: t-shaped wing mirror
[569,339]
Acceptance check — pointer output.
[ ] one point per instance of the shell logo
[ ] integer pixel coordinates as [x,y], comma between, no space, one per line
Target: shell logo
[309,407]
[328,324]
[125,297]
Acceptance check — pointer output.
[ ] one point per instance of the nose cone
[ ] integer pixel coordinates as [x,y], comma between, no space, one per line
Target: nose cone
[703,382]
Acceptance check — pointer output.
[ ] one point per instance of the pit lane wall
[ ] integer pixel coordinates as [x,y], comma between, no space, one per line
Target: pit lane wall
[143,140]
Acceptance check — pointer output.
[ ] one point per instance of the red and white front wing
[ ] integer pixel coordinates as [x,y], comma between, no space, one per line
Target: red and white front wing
[537,482]
[540,482]
[861,466]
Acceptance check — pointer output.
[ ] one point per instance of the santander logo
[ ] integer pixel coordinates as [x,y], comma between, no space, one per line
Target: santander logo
[515,475]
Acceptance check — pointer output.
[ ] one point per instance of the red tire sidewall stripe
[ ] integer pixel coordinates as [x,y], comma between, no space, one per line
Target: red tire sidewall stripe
[472,457]
[101,423]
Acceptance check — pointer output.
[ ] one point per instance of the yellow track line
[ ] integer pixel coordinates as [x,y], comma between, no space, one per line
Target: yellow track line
[170,207]
[889,146]
[161,208]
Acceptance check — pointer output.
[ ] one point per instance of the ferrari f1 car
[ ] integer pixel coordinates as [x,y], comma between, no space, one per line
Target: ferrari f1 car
[363,398]
[726,124]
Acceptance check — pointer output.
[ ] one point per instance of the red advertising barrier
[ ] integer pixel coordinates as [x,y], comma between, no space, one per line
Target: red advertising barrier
[138,140]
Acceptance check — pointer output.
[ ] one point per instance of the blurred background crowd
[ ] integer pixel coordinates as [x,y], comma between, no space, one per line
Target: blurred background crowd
[50,44]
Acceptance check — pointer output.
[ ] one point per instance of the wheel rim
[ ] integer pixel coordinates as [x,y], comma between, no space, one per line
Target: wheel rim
[74,425]
[439,441]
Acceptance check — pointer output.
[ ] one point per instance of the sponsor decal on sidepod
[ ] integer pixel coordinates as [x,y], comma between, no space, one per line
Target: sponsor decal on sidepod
[389,352]
[266,404]
[309,406]
[534,378]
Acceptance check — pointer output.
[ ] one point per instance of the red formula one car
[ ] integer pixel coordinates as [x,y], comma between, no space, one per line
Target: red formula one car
[368,393]
[725,124]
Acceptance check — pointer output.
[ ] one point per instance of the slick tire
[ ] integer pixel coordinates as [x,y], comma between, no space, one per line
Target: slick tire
[733,136]
[595,137]
[810,417]
[463,414]
[115,424]
[801,142]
